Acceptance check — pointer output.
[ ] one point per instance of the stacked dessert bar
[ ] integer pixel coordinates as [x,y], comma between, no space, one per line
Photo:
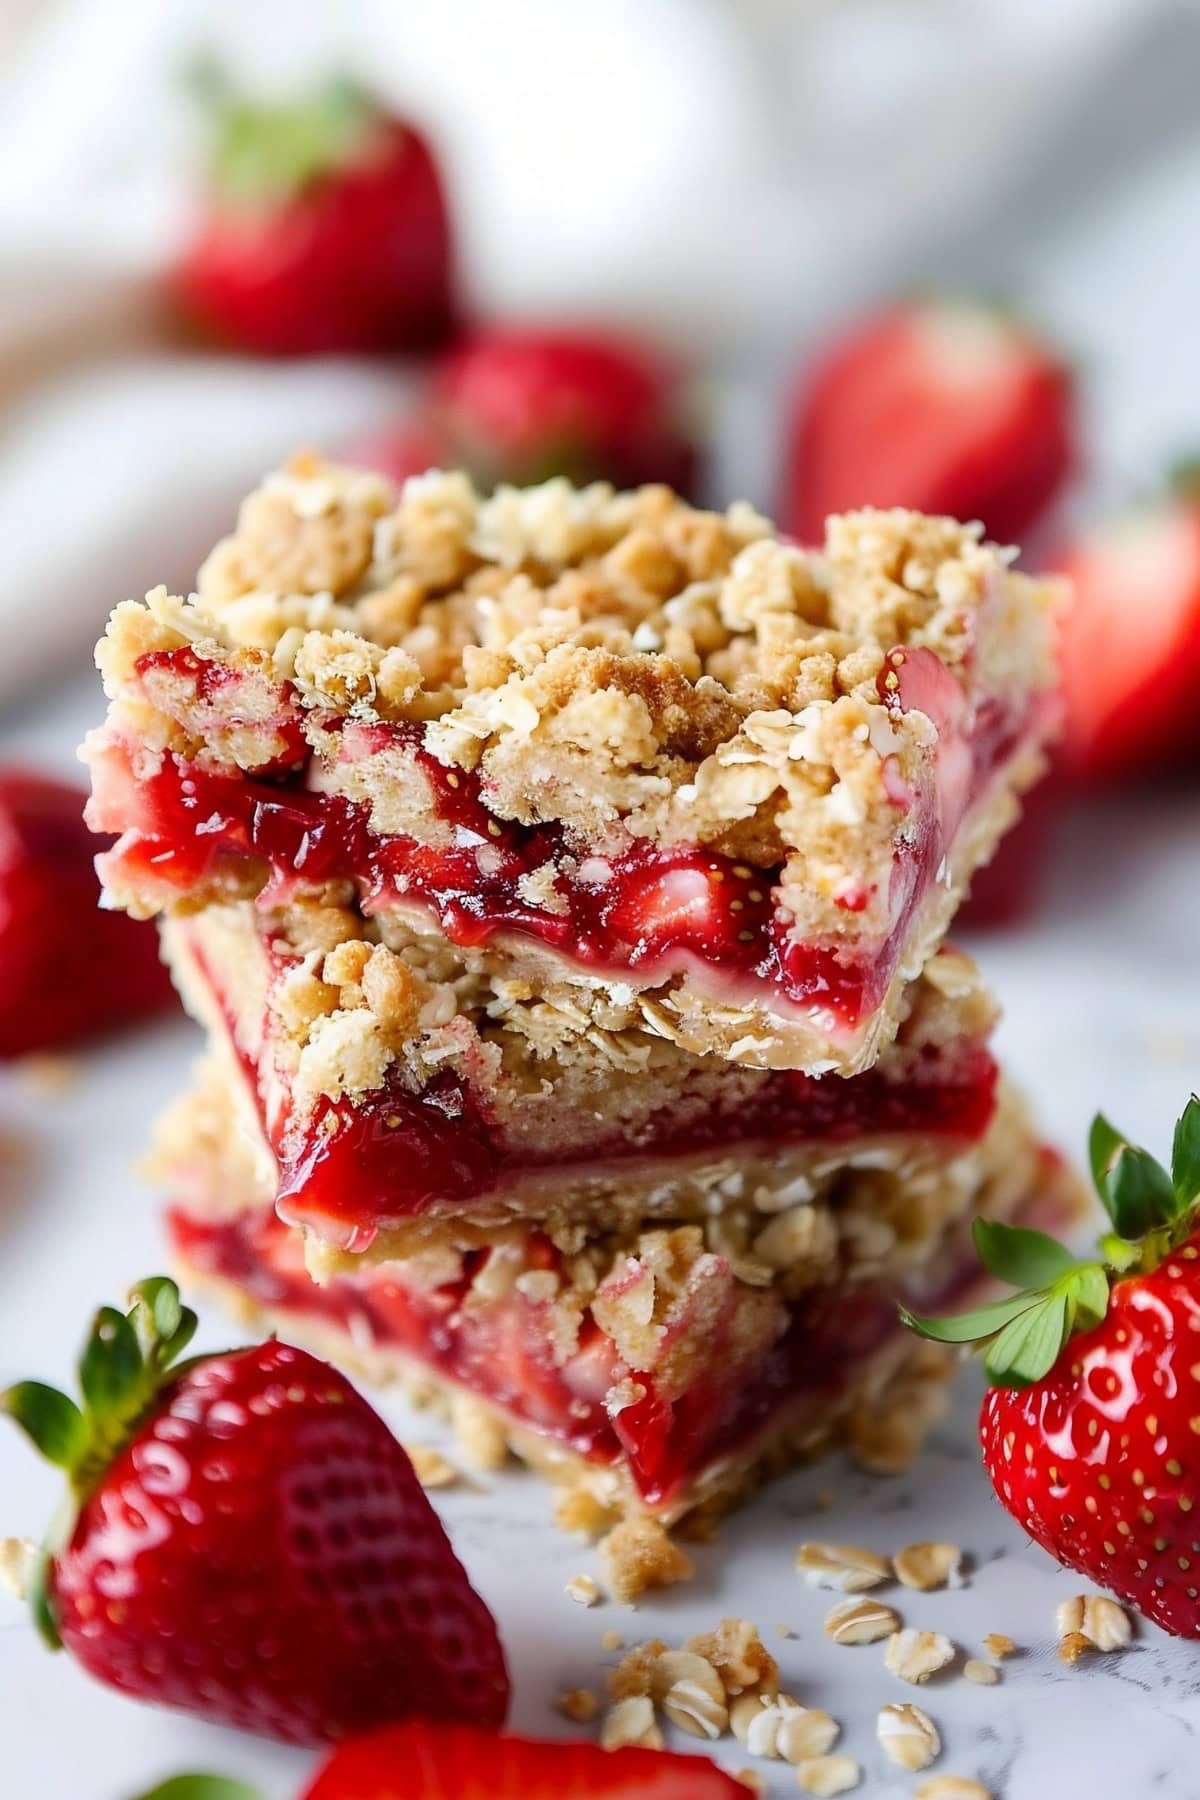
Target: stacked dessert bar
[561,879]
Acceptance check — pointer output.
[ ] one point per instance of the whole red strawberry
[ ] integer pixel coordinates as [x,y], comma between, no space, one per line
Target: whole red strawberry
[1130,638]
[522,403]
[246,1540]
[325,228]
[1091,1435]
[67,969]
[946,405]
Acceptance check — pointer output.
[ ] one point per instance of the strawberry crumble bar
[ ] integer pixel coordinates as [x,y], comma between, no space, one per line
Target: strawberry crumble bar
[402,1088]
[728,787]
[656,1369]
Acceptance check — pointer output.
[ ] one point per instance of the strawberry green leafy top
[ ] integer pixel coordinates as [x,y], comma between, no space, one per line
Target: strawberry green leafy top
[1151,1212]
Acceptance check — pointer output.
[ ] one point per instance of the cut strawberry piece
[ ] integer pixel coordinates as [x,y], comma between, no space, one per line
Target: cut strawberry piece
[947,406]
[524,403]
[1130,641]
[427,1762]
[67,969]
[325,229]
[245,1539]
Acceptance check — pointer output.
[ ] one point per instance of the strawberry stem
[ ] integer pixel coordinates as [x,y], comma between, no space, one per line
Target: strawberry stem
[1152,1212]
[201,1787]
[126,1360]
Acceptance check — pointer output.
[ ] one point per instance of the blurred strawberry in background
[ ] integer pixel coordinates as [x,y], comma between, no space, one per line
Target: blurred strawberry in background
[947,405]
[324,227]
[521,403]
[67,970]
[1130,642]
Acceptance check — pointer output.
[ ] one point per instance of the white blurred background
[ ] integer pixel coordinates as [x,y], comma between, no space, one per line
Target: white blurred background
[738,174]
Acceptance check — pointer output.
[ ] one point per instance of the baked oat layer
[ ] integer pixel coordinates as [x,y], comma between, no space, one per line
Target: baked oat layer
[730,785]
[646,1368]
[408,1087]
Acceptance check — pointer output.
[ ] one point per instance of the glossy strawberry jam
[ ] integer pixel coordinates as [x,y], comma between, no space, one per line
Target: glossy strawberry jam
[348,1168]
[500,1349]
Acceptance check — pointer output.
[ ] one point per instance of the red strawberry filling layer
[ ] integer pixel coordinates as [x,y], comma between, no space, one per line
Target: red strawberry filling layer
[654,912]
[348,1168]
[501,1350]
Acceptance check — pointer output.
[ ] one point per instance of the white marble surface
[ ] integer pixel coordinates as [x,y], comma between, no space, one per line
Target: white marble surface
[1101,996]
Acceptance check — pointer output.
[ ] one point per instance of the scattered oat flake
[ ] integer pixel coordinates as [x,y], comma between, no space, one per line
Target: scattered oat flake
[998,1646]
[847,1568]
[631,1722]
[929,1566]
[690,1692]
[952,1787]
[17,1558]
[784,1631]
[983,1674]
[860,1622]
[431,1467]
[579,1704]
[916,1655]
[804,1733]
[828,1775]
[1101,1623]
[612,1640]
[583,1590]
[908,1736]
[752,1779]
[1073,1646]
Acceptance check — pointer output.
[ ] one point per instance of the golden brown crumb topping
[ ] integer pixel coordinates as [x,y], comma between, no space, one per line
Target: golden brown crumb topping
[618,662]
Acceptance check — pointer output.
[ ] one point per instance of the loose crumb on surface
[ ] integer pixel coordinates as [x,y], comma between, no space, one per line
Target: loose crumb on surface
[952,1787]
[612,1640]
[998,1646]
[579,1704]
[751,1779]
[983,1674]
[583,1590]
[640,1555]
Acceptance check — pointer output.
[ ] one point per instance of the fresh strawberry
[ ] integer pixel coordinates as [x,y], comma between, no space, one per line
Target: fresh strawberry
[1090,1432]
[325,228]
[949,406]
[245,1539]
[1130,640]
[67,970]
[521,403]
[429,1762]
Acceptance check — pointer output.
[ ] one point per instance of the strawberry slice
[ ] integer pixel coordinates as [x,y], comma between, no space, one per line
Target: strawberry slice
[427,1762]
[67,969]
[325,228]
[1130,640]
[948,406]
